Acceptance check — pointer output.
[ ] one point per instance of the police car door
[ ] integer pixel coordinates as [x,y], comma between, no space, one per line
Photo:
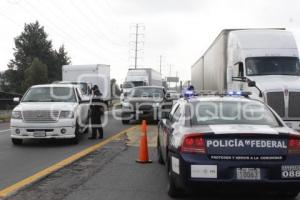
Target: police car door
[169,126]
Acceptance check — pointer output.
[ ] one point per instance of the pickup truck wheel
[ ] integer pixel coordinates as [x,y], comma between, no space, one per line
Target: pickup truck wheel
[17,141]
[75,140]
[124,121]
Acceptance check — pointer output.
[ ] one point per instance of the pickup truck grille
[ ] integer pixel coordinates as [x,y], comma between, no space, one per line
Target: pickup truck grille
[145,107]
[276,101]
[41,116]
[294,100]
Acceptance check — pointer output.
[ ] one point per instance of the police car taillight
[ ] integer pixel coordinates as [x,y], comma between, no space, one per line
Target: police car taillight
[193,143]
[294,145]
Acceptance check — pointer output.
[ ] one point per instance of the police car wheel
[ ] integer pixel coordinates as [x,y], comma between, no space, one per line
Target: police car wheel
[172,190]
[290,195]
[159,154]
[17,141]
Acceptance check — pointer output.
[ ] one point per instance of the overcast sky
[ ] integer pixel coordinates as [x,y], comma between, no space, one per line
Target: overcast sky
[98,31]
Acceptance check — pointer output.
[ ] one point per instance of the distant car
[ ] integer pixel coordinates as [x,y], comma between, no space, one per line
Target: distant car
[57,111]
[228,141]
[172,95]
[145,102]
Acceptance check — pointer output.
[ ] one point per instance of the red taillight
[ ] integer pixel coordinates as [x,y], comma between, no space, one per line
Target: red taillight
[193,143]
[294,145]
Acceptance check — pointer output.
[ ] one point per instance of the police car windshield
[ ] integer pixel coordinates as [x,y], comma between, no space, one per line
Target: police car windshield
[230,112]
[50,94]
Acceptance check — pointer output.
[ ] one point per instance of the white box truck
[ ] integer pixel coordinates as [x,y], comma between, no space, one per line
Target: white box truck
[140,77]
[98,74]
[262,61]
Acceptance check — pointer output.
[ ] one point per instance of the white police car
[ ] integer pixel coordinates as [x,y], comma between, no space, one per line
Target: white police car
[228,141]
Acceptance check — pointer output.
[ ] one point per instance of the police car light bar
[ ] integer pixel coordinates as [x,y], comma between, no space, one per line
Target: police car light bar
[238,93]
[189,92]
[228,93]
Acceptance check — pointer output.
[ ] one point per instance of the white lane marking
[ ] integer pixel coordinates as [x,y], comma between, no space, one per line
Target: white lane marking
[3,131]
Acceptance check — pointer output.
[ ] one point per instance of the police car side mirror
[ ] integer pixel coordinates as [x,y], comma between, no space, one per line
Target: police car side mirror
[251,84]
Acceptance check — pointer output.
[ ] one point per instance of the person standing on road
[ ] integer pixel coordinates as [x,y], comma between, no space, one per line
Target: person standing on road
[96,113]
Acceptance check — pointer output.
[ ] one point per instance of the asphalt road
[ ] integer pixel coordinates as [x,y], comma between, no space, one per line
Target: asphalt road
[19,162]
[111,173]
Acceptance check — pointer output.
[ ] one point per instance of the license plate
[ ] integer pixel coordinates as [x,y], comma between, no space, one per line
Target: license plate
[290,171]
[248,174]
[39,134]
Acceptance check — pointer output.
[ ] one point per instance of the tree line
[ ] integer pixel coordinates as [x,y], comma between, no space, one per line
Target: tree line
[35,61]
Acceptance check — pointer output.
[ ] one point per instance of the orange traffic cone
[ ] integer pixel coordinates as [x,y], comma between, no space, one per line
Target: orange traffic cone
[143,153]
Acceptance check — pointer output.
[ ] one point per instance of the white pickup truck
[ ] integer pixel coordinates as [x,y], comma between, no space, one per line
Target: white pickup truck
[57,111]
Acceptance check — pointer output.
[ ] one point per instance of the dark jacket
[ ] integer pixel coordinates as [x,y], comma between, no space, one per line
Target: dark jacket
[96,108]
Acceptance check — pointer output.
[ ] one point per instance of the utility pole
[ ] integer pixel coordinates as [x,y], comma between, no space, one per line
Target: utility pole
[170,74]
[136,45]
[176,81]
[160,60]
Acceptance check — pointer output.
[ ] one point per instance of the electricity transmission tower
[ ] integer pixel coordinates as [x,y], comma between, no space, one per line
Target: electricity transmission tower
[137,42]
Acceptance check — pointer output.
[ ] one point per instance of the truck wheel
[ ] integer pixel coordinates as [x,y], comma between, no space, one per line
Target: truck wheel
[75,140]
[124,121]
[17,141]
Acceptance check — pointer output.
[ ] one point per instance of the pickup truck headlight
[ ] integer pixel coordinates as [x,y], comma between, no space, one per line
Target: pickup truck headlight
[66,115]
[156,105]
[126,105]
[16,115]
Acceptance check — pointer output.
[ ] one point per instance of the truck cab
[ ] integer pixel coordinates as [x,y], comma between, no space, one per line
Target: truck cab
[266,63]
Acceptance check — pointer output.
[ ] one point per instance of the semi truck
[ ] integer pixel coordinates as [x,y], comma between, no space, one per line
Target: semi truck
[264,62]
[97,74]
[140,77]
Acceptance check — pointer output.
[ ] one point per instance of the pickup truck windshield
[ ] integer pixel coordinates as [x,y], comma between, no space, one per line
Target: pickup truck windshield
[147,92]
[50,94]
[256,66]
[215,112]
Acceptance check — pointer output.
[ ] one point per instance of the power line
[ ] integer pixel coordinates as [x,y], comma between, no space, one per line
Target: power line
[62,33]
[89,20]
[81,32]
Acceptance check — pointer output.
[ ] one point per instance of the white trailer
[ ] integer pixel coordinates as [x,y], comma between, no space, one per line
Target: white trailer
[263,61]
[141,77]
[97,74]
